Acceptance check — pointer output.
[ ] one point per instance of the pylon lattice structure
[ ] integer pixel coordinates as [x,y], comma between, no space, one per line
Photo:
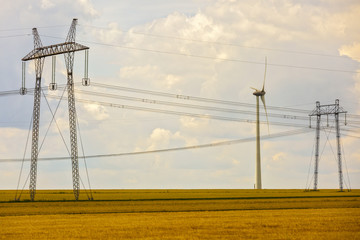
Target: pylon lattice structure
[38,55]
[320,110]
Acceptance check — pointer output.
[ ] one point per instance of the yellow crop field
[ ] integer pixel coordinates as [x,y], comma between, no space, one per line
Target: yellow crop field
[183,214]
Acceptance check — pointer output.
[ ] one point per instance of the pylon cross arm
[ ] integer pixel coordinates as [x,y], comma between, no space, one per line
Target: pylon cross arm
[52,50]
[327,110]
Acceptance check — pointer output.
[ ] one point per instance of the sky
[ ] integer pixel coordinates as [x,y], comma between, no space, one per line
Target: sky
[205,49]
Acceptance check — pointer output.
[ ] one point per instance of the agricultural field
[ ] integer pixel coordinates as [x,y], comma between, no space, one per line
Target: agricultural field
[182,214]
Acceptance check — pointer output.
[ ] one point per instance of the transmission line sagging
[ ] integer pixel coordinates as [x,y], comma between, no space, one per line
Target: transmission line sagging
[27,28]
[289,51]
[193,98]
[290,117]
[216,144]
[179,113]
[15,36]
[285,112]
[204,57]
[184,105]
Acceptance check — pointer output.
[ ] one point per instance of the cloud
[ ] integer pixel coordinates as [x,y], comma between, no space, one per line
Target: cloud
[112,34]
[162,138]
[279,157]
[159,138]
[150,74]
[12,142]
[352,51]
[88,8]
[46,4]
[97,112]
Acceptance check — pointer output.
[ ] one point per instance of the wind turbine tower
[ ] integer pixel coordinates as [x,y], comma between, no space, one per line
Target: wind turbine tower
[259,93]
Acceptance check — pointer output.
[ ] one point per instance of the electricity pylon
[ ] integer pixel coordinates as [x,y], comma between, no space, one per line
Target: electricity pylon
[329,109]
[68,48]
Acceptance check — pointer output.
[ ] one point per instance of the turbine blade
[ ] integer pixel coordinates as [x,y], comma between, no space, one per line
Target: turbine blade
[254,89]
[263,88]
[267,119]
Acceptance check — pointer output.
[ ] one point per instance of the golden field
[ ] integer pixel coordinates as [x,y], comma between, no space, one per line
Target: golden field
[182,214]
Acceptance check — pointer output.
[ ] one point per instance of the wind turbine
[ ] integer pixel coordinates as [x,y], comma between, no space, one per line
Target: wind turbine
[259,93]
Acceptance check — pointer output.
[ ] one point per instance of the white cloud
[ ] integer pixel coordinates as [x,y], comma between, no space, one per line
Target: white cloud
[12,142]
[97,112]
[46,4]
[279,157]
[194,124]
[352,51]
[162,138]
[111,35]
[159,138]
[88,8]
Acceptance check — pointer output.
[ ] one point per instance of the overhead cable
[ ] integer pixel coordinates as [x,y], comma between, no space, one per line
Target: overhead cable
[206,116]
[219,43]
[17,35]
[27,28]
[210,57]
[175,104]
[193,98]
[222,143]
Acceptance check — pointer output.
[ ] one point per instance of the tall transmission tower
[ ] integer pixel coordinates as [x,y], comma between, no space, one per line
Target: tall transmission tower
[68,48]
[320,110]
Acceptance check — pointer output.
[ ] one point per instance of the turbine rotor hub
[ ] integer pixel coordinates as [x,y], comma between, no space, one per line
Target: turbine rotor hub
[259,93]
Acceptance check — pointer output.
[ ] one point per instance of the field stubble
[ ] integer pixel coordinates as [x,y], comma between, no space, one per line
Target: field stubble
[184,214]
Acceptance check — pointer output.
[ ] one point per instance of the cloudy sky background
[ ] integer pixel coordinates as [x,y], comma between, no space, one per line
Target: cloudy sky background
[209,49]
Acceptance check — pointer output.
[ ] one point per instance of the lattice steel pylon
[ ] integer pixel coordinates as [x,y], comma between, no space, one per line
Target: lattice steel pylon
[38,54]
[39,64]
[330,109]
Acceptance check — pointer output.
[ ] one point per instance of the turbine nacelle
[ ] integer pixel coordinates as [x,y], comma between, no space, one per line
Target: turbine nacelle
[258,93]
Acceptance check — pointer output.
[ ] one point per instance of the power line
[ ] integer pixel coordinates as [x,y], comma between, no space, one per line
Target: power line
[193,98]
[154,110]
[186,97]
[212,58]
[17,35]
[181,97]
[27,28]
[353,116]
[207,116]
[222,43]
[151,101]
[178,38]
[16,92]
[10,92]
[207,100]
[222,143]
[202,107]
